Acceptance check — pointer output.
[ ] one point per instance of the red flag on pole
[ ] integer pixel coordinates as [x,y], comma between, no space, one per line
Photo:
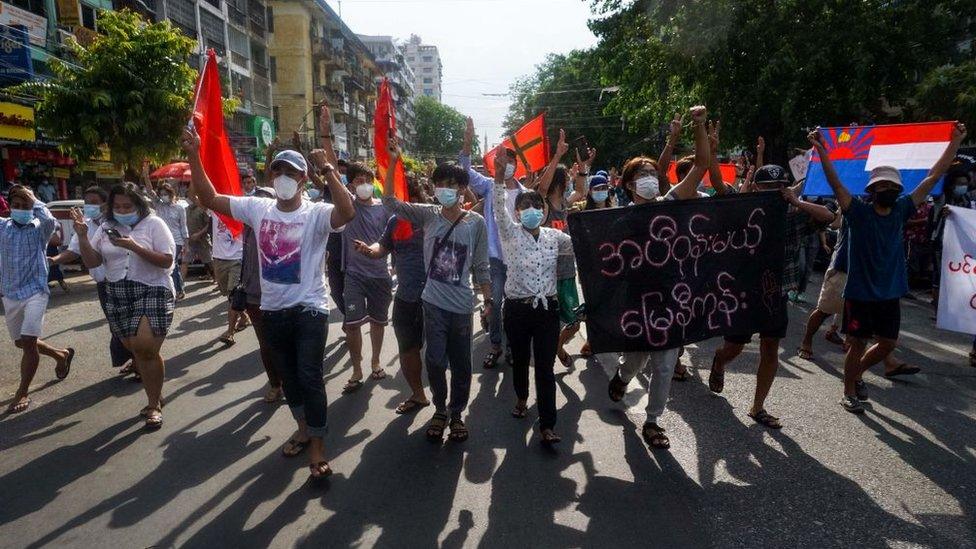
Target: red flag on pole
[728,174]
[384,124]
[215,152]
[531,146]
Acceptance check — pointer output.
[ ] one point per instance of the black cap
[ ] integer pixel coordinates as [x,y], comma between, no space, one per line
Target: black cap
[770,173]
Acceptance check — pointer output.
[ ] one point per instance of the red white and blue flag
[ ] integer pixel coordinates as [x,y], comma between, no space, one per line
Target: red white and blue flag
[911,148]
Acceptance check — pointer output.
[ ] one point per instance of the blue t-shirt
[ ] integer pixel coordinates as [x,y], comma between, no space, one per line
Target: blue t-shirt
[839,262]
[406,243]
[876,251]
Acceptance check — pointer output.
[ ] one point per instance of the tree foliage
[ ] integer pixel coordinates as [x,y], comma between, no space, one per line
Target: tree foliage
[774,68]
[130,89]
[949,92]
[569,90]
[440,130]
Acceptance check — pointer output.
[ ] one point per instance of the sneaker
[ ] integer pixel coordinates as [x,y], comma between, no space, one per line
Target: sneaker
[852,405]
[861,391]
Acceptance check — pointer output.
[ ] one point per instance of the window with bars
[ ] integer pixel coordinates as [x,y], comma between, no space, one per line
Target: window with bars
[212,29]
[239,46]
[183,13]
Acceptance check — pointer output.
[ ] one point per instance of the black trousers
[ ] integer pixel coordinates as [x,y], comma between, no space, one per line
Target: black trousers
[534,332]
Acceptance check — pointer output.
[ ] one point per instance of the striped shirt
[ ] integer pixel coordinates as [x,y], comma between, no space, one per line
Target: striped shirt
[23,261]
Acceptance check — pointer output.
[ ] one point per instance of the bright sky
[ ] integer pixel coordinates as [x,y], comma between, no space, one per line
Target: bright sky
[485,45]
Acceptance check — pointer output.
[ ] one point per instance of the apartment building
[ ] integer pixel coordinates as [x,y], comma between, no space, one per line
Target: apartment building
[425,61]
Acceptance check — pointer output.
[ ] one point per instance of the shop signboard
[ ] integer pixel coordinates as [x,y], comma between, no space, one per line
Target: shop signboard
[36,25]
[263,131]
[69,13]
[15,58]
[16,122]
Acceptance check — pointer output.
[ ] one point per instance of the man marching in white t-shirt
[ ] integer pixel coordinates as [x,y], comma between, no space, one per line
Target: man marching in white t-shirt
[292,236]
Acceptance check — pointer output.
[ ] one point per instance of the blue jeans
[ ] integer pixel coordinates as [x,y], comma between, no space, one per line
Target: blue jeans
[177,276]
[448,337]
[296,344]
[499,273]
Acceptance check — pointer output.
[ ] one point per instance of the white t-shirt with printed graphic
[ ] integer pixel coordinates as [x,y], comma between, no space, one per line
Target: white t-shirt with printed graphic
[291,249]
[225,246]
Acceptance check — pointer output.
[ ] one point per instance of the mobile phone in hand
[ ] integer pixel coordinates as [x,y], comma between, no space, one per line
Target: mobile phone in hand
[113,233]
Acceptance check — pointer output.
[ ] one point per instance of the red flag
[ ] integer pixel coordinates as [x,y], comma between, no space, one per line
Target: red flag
[531,146]
[728,174]
[215,152]
[384,123]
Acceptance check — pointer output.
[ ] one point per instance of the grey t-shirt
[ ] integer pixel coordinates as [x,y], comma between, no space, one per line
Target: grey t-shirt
[367,226]
[448,284]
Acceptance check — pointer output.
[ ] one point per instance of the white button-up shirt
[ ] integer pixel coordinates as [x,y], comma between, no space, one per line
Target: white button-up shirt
[530,260]
[152,233]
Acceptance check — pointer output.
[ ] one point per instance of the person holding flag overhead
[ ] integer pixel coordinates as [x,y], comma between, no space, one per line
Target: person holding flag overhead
[877,277]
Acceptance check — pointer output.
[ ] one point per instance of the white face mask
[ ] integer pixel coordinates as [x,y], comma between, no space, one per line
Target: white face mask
[286,187]
[647,187]
[364,190]
[509,171]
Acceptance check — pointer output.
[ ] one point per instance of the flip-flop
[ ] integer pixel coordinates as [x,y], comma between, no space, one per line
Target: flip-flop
[903,370]
[378,375]
[716,380]
[766,419]
[410,405]
[20,406]
[319,470]
[654,437]
[549,437]
[154,419]
[520,411]
[297,446]
[491,360]
[352,386]
[226,339]
[805,354]
[67,364]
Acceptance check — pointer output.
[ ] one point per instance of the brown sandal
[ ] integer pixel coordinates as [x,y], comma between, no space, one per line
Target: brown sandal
[320,470]
[459,433]
[154,419]
[654,436]
[435,431]
[716,380]
[410,405]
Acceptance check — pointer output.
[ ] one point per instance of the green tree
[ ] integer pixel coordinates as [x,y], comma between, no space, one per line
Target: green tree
[949,92]
[130,89]
[440,130]
[570,91]
[774,68]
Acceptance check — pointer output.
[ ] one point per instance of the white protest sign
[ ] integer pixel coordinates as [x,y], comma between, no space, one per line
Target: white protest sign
[799,165]
[957,293]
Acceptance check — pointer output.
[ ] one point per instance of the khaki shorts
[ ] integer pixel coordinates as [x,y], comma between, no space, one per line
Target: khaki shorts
[195,249]
[831,300]
[25,317]
[228,274]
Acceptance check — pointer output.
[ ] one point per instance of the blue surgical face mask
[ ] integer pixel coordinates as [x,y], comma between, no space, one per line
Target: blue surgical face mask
[128,219]
[22,216]
[314,194]
[343,179]
[599,196]
[446,196]
[93,211]
[959,191]
[531,218]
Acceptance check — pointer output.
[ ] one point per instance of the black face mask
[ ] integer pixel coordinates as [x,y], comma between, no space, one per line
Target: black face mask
[886,199]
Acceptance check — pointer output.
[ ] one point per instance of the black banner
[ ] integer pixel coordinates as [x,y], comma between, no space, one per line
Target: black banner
[657,276]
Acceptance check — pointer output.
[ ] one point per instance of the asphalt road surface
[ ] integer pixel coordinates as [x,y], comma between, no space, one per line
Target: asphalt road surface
[78,470]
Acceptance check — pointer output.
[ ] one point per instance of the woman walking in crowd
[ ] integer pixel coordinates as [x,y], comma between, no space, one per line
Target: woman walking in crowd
[228,250]
[251,285]
[198,246]
[404,241]
[292,235]
[641,184]
[455,244]
[531,308]
[136,249]
[165,206]
[23,284]
[558,202]
[94,214]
